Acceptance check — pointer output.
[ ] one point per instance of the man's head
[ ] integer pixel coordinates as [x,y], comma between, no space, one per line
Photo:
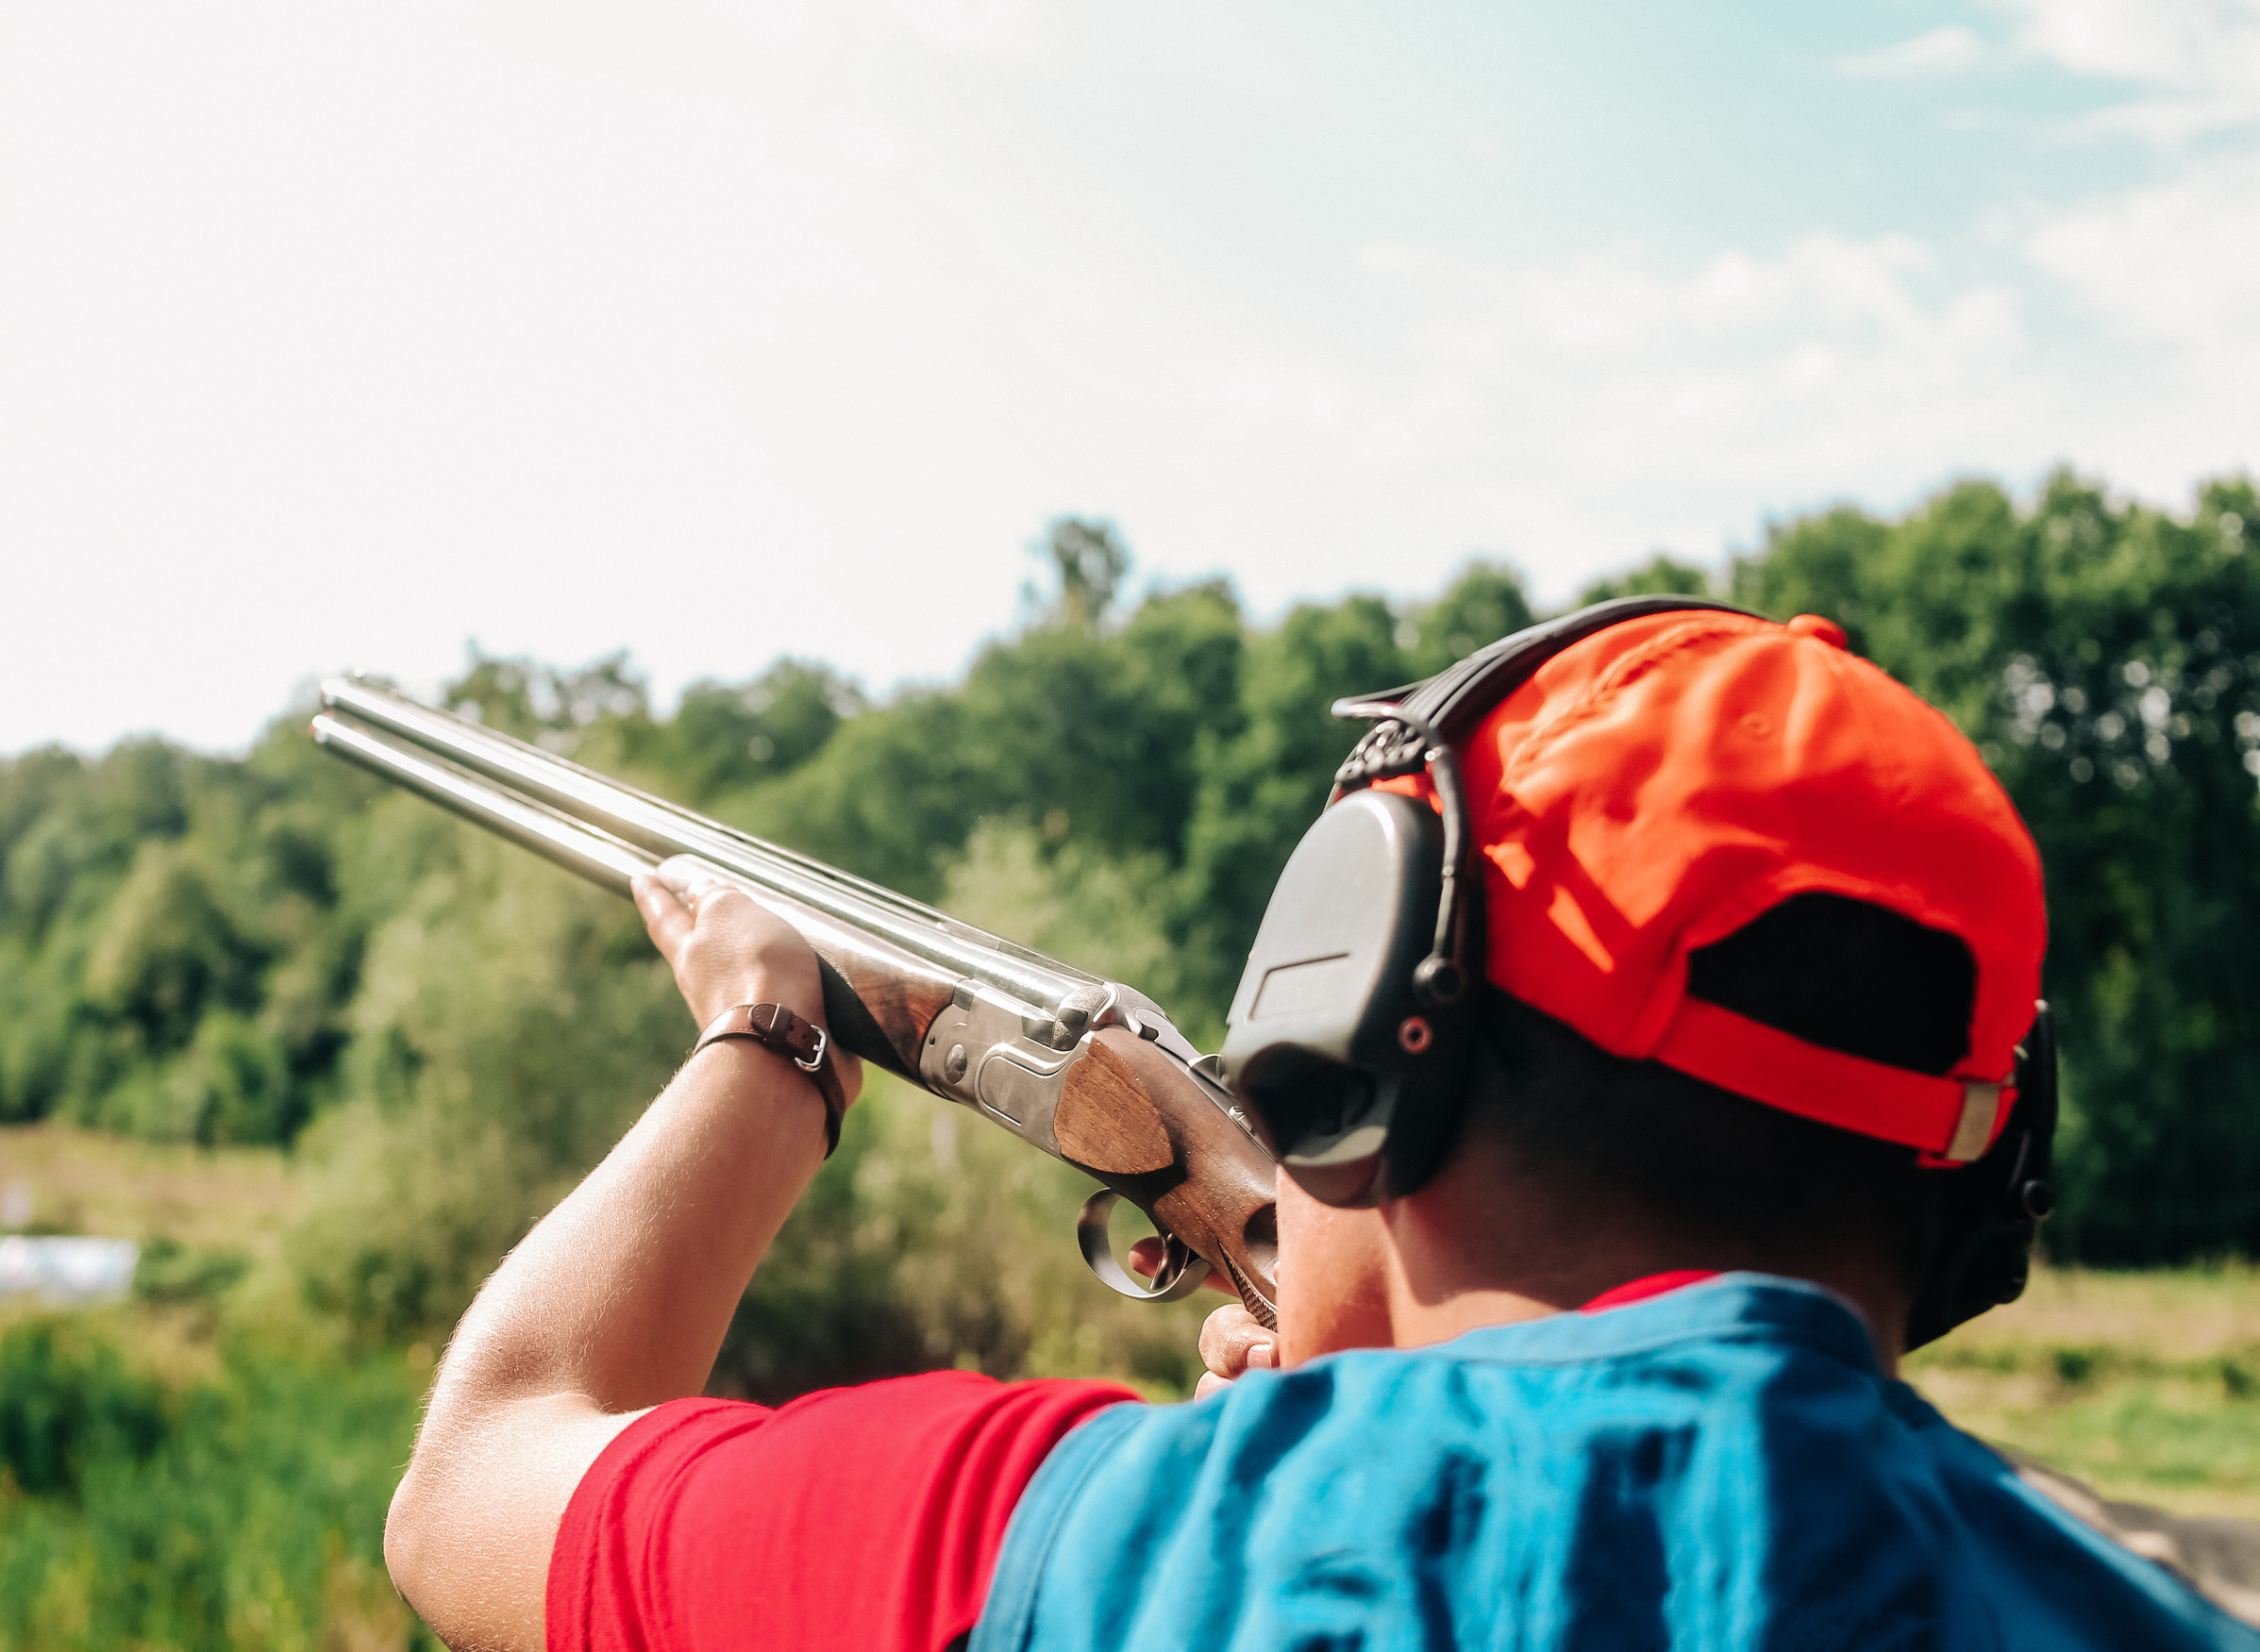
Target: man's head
[1736,849]
[1761,929]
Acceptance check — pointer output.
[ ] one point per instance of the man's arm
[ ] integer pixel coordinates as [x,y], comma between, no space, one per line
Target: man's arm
[619,1297]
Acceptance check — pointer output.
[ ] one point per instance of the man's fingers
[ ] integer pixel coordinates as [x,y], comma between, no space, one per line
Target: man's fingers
[665,918]
[688,876]
[725,945]
[1233,1341]
[1146,1260]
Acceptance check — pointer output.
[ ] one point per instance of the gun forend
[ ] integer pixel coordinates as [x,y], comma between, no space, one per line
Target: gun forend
[1084,1069]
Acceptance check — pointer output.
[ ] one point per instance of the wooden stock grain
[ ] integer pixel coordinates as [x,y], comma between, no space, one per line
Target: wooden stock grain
[1154,1136]
[1106,1122]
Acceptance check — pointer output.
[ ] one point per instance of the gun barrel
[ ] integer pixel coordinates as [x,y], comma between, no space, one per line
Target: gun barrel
[577,846]
[631,817]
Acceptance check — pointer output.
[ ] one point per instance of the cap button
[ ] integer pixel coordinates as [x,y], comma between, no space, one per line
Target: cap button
[1828,631]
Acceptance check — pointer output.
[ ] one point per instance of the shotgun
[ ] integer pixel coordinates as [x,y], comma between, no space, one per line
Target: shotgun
[1086,1069]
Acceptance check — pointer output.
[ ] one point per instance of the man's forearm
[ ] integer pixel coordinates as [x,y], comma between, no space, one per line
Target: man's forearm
[622,1293]
[618,1300]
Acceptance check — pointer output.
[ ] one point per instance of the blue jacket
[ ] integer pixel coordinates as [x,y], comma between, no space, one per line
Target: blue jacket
[1721,1467]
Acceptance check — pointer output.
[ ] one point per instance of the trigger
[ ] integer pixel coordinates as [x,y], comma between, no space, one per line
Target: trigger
[1183,1270]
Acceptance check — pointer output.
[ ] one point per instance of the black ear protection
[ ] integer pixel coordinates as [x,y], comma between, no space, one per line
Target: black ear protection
[1351,1032]
[1352,1035]
[1982,1220]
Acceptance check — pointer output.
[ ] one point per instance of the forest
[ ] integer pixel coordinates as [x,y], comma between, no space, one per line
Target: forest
[439,1034]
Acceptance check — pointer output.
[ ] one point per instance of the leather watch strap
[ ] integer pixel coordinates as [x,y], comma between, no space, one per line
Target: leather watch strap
[798,1040]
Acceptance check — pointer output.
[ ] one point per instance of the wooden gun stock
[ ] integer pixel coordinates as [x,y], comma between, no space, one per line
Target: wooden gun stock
[1140,1123]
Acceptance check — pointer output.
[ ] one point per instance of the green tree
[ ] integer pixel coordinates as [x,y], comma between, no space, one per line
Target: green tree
[531,700]
[727,737]
[1088,561]
[215,949]
[1660,575]
[1267,782]
[1485,603]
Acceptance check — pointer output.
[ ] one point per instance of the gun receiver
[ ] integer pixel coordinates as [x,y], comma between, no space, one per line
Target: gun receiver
[1086,1069]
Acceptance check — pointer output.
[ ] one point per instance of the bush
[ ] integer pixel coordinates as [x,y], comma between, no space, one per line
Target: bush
[62,1411]
[246,1510]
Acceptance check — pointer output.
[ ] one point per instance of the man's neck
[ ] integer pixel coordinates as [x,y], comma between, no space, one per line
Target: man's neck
[1459,1255]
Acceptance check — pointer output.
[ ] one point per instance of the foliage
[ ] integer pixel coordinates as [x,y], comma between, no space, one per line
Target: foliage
[174,955]
[2143,1385]
[1661,576]
[508,1024]
[271,948]
[1089,560]
[245,1508]
[61,1415]
[174,1275]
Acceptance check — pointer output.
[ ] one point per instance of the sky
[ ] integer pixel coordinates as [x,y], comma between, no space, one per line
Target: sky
[341,336]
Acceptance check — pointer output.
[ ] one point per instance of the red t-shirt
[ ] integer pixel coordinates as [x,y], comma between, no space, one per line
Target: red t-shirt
[866,1518]
[863,1518]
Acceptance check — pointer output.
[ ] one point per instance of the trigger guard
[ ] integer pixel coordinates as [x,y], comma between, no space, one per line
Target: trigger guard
[1090,1235]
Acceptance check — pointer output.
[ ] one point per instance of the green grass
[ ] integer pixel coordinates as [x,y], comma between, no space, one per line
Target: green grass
[241,1509]
[206,1466]
[2147,1386]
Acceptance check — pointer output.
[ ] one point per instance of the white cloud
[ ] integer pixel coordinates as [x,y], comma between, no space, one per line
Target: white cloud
[1951,49]
[2196,46]
[2178,263]
[2197,63]
[2172,266]
[1574,415]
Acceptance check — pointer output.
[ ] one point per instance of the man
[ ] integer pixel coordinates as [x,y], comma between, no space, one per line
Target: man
[1761,932]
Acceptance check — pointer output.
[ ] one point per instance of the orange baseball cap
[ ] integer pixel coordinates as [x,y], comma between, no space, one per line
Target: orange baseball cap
[1655,788]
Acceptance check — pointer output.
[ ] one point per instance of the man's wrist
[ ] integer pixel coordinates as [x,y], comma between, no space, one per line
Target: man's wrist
[790,1036]
[804,1000]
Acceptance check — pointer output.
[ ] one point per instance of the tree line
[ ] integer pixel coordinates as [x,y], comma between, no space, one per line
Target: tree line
[272,948]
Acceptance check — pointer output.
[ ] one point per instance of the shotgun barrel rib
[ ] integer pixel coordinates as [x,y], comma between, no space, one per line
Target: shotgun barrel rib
[1085,1069]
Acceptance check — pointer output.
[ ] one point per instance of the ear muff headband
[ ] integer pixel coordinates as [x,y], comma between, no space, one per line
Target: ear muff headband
[1441,978]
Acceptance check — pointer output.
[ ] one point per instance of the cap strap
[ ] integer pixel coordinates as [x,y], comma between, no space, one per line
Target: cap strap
[1952,1118]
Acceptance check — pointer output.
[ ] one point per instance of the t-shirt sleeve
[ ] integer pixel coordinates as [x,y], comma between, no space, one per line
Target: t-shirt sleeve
[865,1517]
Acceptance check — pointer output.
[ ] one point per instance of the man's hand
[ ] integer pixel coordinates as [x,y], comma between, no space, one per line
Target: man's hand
[1232,1341]
[723,944]
[726,948]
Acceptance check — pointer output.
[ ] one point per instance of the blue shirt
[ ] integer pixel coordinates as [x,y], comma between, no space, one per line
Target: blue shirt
[1721,1467]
